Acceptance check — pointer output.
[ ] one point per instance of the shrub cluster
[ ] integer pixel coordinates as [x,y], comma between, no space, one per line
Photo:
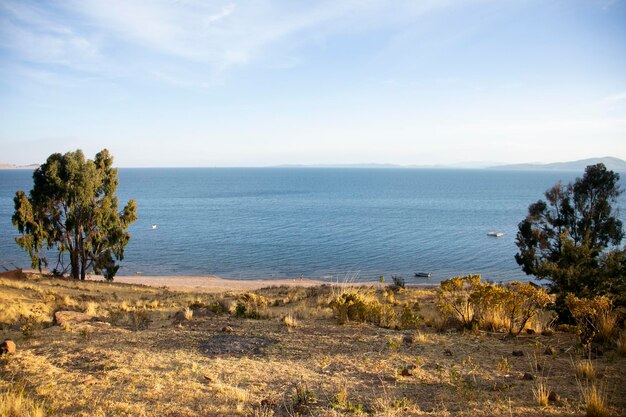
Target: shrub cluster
[250,305]
[480,304]
[359,307]
[595,318]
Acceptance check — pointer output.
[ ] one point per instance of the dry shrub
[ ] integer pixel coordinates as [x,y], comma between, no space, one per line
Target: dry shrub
[188,314]
[521,302]
[290,321]
[454,299]
[594,398]
[91,309]
[362,307]
[595,318]
[15,403]
[491,306]
[252,306]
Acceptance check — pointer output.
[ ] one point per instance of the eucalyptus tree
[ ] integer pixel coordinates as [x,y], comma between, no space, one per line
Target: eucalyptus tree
[73,207]
[572,238]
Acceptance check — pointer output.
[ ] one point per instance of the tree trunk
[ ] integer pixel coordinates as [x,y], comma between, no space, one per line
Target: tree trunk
[75,265]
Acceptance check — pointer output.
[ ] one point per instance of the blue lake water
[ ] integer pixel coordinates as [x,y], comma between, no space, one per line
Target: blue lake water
[280,222]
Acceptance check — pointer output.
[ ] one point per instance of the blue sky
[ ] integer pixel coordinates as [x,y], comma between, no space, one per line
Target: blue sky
[256,83]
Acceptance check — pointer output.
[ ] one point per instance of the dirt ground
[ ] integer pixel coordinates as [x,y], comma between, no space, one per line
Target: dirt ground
[141,357]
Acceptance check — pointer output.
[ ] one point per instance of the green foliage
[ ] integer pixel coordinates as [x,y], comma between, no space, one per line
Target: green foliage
[73,207]
[409,318]
[572,239]
[398,281]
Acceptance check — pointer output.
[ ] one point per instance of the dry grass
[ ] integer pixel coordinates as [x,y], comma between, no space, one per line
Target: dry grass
[293,359]
[594,398]
[584,370]
[541,392]
[15,403]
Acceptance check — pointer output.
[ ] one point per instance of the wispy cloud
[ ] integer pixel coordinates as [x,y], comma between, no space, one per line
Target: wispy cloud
[95,36]
[614,98]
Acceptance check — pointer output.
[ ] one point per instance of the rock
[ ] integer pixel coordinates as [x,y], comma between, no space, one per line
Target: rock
[408,370]
[7,347]
[63,318]
[518,353]
[180,316]
[550,351]
[530,331]
[553,397]
[227,329]
[447,352]
[408,339]
[203,312]
[528,376]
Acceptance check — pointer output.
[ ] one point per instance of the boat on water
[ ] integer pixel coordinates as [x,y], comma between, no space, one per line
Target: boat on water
[495,234]
[423,275]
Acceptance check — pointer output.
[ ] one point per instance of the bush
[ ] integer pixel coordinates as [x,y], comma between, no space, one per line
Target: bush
[252,306]
[398,281]
[409,318]
[474,303]
[454,299]
[521,302]
[594,317]
[358,307]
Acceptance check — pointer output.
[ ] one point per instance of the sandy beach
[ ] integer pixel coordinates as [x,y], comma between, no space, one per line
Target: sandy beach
[210,283]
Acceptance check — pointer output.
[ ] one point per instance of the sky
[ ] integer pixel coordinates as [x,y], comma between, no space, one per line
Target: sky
[262,83]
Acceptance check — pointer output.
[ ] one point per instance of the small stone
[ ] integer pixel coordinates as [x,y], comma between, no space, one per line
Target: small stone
[180,316]
[530,331]
[7,347]
[227,329]
[268,403]
[408,370]
[528,376]
[550,351]
[553,397]
[408,339]
[518,353]
[447,352]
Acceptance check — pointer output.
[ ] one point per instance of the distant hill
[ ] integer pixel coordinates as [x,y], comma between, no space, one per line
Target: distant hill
[611,163]
[12,166]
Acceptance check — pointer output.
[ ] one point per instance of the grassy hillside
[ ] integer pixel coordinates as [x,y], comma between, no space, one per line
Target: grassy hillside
[151,351]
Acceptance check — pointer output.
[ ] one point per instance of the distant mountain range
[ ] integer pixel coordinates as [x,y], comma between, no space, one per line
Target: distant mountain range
[610,162]
[13,166]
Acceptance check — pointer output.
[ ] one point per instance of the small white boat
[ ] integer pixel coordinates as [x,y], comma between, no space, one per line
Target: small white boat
[495,234]
[154,226]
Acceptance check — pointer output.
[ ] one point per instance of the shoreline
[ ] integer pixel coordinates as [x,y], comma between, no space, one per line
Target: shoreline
[215,284]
